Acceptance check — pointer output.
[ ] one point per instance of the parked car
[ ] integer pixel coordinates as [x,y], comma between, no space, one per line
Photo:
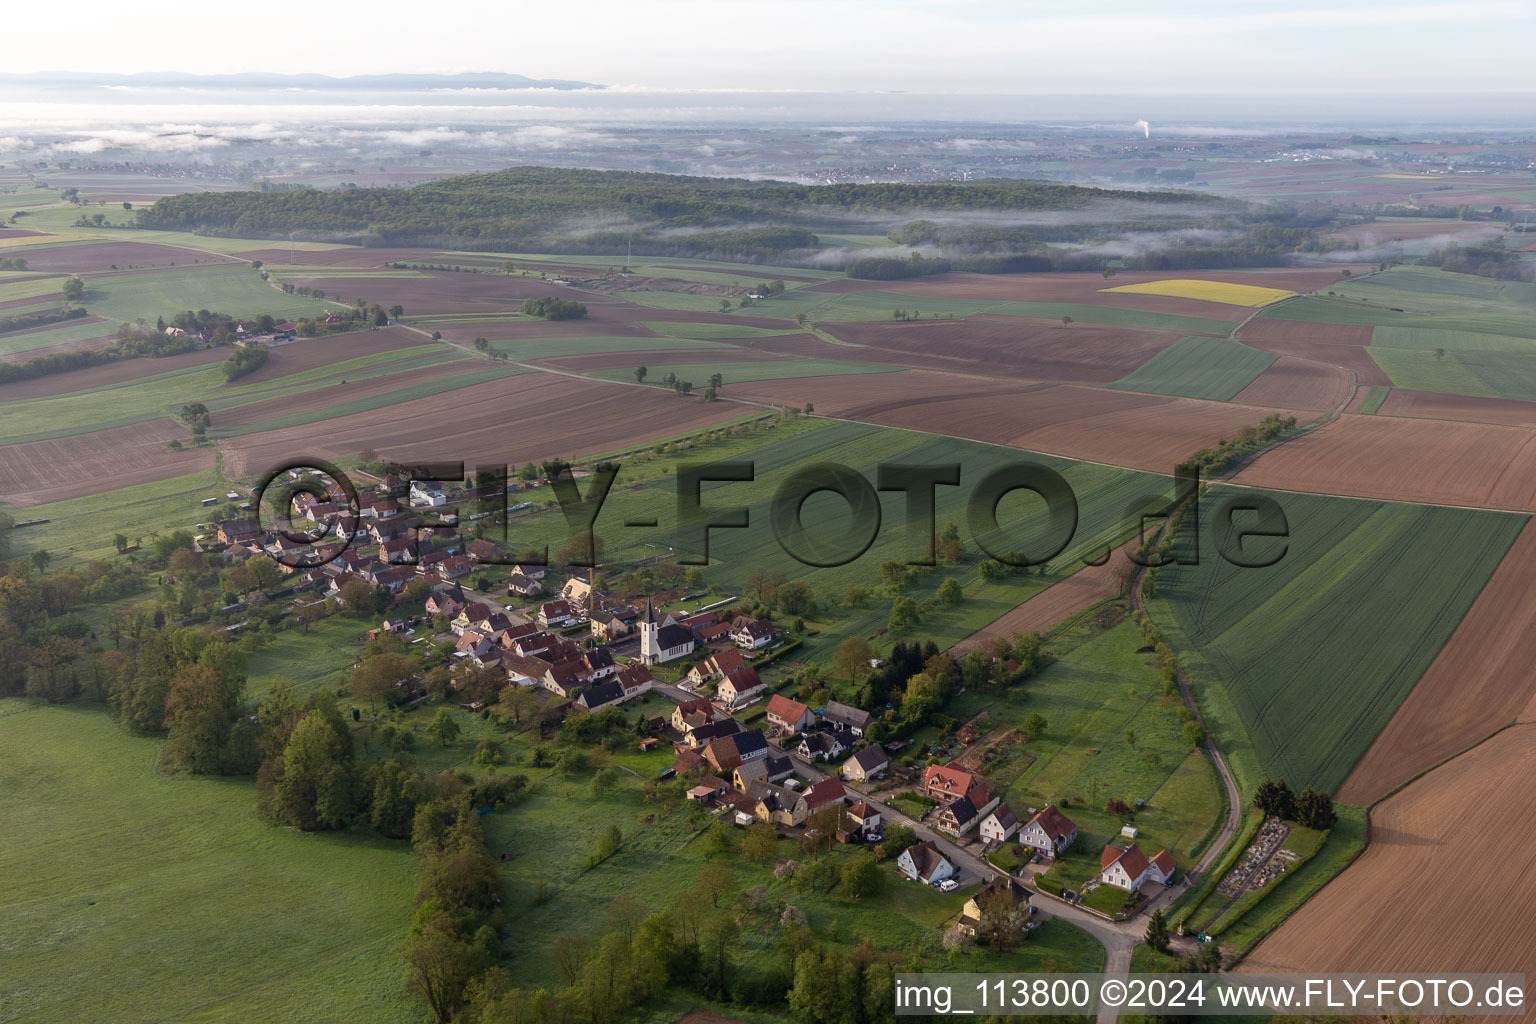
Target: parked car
[948,885]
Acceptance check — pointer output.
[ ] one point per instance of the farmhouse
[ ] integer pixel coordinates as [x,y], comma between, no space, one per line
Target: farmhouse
[740,687]
[1130,869]
[789,715]
[1049,831]
[866,764]
[842,716]
[999,825]
[925,863]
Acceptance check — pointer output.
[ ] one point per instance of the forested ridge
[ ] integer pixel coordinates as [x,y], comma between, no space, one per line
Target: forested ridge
[590,211]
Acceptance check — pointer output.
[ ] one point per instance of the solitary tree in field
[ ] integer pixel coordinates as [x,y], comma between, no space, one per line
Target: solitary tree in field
[640,373]
[443,728]
[74,289]
[396,312]
[716,380]
[725,305]
[1439,354]
[1066,321]
[40,560]
[1034,725]
[800,319]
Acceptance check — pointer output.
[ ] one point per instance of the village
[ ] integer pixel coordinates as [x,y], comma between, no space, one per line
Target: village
[746,753]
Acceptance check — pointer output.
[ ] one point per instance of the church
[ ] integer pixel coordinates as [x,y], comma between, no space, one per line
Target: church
[664,641]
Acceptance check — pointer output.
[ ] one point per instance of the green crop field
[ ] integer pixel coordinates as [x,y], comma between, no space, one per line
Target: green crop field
[1373,400]
[741,372]
[1110,734]
[1423,371]
[645,492]
[134,896]
[225,288]
[1375,587]
[29,287]
[58,334]
[1198,367]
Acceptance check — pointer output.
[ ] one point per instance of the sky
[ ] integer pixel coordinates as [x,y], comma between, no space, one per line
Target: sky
[992,47]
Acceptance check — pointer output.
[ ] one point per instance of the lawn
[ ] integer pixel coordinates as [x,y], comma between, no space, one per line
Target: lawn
[1110,734]
[1374,587]
[134,896]
[1199,367]
[223,287]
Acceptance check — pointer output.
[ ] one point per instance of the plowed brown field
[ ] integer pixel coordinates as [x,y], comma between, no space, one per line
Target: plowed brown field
[1398,459]
[1435,405]
[1121,428]
[314,353]
[335,394]
[1342,345]
[1445,884]
[1479,682]
[71,467]
[103,255]
[1031,349]
[514,419]
[1297,384]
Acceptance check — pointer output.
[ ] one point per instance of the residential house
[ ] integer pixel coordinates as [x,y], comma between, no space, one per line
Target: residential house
[1018,894]
[532,571]
[607,626]
[606,693]
[740,687]
[788,714]
[828,791]
[482,550]
[1130,869]
[578,593]
[1049,831]
[943,782]
[398,551]
[636,679]
[820,746]
[866,764]
[925,863]
[525,670]
[727,753]
[716,666]
[236,531]
[703,735]
[557,614]
[861,817]
[999,824]
[777,805]
[767,769]
[691,714]
[446,602]
[844,717]
[564,677]
[751,634]
[524,586]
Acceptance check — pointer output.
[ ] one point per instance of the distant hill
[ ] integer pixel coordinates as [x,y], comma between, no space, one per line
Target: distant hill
[557,210]
[273,80]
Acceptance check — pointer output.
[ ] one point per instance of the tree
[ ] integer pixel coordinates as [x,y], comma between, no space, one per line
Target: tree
[852,658]
[717,879]
[725,305]
[1194,734]
[396,312]
[991,571]
[716,380]
[443,728]
[904,614]
[1034,725]
[1003,917]
[861,877]
[1066,321]
[640,372]
[569,952]
[855,596]
[1157,932]
[950,592]
[359,597]
[799,319]
[758,846]
[439,961]
[379,678]
[74,289]
[893,575]
[200,709]
[1275,799]
[1439,354]
[40,559]
[1315,809]
[119,541]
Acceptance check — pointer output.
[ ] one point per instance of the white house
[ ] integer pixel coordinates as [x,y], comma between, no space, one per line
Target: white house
[1049,831]
[1130,869]
[999,825]
[925,863]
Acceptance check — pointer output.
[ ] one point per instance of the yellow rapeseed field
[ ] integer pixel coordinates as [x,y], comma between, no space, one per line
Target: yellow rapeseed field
[1208,291]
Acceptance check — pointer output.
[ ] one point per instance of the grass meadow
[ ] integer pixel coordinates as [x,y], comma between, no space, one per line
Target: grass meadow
[1199,367]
